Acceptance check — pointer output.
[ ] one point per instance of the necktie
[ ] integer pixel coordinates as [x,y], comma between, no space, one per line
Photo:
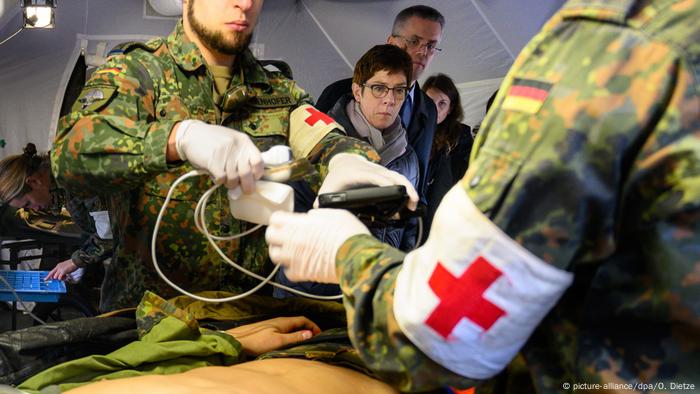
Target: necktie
[406,111]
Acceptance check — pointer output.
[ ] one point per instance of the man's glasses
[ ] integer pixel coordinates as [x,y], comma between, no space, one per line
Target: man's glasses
[380,91]
[415,43]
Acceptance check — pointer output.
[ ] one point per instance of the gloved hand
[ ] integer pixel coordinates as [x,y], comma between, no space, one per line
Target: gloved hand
[346,170]
[306,244]
[228,155]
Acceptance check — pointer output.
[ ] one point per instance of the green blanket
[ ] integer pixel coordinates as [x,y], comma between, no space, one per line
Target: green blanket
[171,341]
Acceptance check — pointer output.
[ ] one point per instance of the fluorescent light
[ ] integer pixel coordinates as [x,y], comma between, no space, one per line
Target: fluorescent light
[39,14]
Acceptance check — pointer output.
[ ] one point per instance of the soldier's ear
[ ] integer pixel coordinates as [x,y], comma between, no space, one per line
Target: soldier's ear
[33,180]
[356,92]
[38,178]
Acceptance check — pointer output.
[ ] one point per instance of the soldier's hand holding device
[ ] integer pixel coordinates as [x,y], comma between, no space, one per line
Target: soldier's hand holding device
[228,155]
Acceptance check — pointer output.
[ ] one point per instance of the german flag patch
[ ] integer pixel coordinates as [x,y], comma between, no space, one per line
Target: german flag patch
[112,70]
[526,95]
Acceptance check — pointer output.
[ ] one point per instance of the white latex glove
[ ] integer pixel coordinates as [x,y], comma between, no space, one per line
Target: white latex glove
[347,170]
[228,155]
[306,243]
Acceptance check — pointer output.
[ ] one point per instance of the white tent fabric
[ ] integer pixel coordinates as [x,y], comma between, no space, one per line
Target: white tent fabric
[320,39]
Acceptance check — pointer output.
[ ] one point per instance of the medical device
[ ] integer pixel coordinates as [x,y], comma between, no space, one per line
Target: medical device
[387,205]
[270,196]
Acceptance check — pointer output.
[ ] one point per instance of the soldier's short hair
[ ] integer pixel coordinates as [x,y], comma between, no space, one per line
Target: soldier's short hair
[382,57]
[420,11]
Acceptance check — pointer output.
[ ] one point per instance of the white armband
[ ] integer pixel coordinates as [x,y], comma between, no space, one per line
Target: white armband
[307,127]
[471,296]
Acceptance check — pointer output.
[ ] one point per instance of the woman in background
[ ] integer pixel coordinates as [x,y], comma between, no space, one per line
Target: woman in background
[452,145]
[26,182]
[370,113]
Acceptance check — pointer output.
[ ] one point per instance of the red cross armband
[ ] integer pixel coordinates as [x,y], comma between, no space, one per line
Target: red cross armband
[471,296]
[307,127]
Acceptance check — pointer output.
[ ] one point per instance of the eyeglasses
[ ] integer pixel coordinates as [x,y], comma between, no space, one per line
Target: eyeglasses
[415,43]
[380,91]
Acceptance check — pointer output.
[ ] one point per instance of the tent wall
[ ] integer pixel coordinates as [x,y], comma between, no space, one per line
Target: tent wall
[320,39]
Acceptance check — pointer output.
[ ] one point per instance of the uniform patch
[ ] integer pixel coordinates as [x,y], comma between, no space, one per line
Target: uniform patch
[526,95]
[271,101]
[463,297]
[307,128]
[111,70]
[93,98]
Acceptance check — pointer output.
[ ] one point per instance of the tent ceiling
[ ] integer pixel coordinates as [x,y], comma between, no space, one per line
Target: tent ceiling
[320,39]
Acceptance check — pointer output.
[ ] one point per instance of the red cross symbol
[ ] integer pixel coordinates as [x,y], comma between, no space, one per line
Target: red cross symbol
[316,115]
[463,297]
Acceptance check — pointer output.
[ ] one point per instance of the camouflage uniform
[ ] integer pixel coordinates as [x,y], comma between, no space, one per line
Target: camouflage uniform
[114,143]
[94,249]
[597,174]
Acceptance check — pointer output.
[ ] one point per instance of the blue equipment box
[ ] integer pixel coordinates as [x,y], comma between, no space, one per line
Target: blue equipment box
[30,286]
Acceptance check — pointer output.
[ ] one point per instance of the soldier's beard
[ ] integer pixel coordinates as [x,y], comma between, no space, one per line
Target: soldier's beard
[215,40]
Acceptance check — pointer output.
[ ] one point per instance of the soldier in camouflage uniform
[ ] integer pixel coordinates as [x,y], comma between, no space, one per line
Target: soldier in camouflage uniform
[572,239]
[26,182]
[124,139]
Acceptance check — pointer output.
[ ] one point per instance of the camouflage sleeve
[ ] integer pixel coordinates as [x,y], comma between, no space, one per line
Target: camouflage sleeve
[111,140]
[95,249]
[337,142]
[569,173]
[554,172]
[334,141]
[367,270]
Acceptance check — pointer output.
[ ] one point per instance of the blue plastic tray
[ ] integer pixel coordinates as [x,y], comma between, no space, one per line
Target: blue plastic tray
[30,286]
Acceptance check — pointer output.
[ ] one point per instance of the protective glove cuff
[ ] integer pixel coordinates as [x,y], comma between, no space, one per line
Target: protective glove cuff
[339,158]
[181,135]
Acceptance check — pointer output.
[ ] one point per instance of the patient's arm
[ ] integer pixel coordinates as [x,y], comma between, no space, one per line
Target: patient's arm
[273,376]
[280,375]
[267,335]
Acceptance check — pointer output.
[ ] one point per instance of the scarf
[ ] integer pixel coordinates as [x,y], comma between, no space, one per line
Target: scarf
[390,143]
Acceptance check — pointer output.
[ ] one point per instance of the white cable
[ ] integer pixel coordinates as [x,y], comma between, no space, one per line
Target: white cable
[24,306]
[14,34]
[155,260]
[210,237]
[201,224]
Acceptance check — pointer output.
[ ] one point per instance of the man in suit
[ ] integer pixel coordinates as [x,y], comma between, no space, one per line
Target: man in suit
[418,31]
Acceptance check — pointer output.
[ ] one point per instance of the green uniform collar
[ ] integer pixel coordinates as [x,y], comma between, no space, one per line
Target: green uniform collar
[612,10]
[188,57]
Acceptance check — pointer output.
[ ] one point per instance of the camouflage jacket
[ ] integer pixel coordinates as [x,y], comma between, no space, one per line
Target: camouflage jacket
[596,172]
[114,143]
[95,249]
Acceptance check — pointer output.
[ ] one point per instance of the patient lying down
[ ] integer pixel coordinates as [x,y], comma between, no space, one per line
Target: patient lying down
[174,354]
[280,375]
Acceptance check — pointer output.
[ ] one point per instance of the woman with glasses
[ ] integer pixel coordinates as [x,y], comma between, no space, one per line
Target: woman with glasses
[26,182]
[380,83]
